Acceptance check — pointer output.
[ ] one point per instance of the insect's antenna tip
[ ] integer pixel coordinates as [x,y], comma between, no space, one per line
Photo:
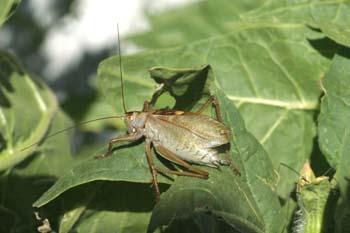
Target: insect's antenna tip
[121,71]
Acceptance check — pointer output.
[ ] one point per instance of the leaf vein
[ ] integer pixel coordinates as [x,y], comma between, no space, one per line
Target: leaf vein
[249,76]
[295,7]
[288,76]
[273,127]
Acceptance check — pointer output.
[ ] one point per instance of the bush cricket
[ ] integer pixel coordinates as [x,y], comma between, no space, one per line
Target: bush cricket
[180,137]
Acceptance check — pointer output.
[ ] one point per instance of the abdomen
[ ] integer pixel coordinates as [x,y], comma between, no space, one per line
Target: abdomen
[183,142]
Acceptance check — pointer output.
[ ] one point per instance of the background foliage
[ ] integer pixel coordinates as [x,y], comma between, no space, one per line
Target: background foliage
[280,70]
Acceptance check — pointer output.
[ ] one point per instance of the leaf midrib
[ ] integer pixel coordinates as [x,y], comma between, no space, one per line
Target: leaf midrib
[291,105]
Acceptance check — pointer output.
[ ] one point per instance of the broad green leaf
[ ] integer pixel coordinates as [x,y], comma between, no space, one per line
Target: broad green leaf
[127,163]
[25,182]
[211,18]
[192,22]
[332,17]
[7,7]
[333,130]
[271,74]
[27,107]
[100,206]
[117,207]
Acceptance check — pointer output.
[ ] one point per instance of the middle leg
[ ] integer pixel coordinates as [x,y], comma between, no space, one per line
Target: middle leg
[195,172]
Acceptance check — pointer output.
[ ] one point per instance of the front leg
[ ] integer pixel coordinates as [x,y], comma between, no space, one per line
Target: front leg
[128,138]
[153,170]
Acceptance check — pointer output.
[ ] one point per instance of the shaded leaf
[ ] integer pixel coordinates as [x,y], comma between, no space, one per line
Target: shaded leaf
[27,107]
[100,206]
[186,86]
[121,206]
[72,215]
[8,219]
[333,129]
[26,181]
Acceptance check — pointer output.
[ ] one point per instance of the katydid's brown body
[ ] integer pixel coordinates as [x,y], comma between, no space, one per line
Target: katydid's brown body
[179,137]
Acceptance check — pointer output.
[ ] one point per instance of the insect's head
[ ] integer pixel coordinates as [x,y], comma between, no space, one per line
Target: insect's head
[135,121]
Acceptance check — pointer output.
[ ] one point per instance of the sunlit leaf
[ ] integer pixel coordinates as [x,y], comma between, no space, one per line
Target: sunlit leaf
[192,22]
[332,17]
[127,164]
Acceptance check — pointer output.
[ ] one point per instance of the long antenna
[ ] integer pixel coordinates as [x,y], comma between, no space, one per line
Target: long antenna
[121,71]
[293,170]
[69,128]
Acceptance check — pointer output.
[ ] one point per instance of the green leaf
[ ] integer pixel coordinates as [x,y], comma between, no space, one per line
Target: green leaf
[125,164]
[121,206]
[7,7]
[332,17]
[333,129]
[100,206]
[25,182]
[212,18]
[27,107]
[82,201]
[263,70]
